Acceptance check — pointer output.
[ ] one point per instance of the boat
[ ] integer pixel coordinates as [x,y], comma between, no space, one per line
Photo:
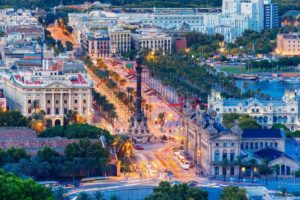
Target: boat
[292,80]
[274,80]
[246,77]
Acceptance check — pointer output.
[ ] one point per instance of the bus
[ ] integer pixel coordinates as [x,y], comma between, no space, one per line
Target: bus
[50,184]
[92,180]
[184,163]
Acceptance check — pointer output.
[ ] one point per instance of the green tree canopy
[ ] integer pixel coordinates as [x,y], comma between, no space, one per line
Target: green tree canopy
[178,192]
[233,193]
[12,118]
[14,188]
[76,131]
[245,121]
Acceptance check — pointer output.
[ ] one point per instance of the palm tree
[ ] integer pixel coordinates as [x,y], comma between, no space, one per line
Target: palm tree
[225,165]
[35,105]
[239,163]
[70,116]
[253,164]
[98,196]
[265,169]
[83,196]
[276,169]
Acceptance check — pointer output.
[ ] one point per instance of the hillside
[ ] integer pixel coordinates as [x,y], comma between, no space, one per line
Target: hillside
[285,5]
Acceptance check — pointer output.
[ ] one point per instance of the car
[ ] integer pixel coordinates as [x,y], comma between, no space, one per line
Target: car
[69,186]
[138,147]
[175,182]
[192,183]
[192,164]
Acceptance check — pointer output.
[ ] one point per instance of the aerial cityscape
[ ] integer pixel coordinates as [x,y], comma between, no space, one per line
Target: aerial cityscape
[150,99]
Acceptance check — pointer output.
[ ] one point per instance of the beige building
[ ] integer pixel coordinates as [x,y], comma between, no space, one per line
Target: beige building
[215,149]
[153,39]
[120,40]
[288,44]
[53,92]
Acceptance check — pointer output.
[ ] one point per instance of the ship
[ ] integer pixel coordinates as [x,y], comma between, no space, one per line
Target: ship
[246,77]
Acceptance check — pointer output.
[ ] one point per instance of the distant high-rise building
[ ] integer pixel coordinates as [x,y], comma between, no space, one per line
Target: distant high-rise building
[271,15]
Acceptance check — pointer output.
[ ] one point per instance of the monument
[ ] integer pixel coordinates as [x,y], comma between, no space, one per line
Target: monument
[138,128]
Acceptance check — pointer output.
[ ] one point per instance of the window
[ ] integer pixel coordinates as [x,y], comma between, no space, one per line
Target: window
[84,101]
[217,144]
[48,111]
[266,144]
[65,101]
[231,171]
[217,155]
[224,155]
[57,111]
[256,145]
[232,155]
[247,145]
[242,145]
[29,111]
[216,171]
[75,101]
[57,102]
[251,145]
[29,101]
[225,145]
[276,145]
[48,101]
[261,145]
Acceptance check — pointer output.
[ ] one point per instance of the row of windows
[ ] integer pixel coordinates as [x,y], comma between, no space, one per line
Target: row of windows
[65,101]
[225,155]
[225,144]
[258,145]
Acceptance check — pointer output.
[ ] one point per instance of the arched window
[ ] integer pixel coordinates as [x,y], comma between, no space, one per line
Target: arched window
[217,155]
[288,170]
[232,155]
[251,145]
[224,155]
[231,171]
[282,171]
[217,171]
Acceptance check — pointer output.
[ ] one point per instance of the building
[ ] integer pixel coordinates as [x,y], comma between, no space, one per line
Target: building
[210,145]
[24,33]
[97,44]
[265,112]
[52,91]
[120,40]
[180,44]
[10,18]
[271,15]
[153,39]
[2,101]
[288,44]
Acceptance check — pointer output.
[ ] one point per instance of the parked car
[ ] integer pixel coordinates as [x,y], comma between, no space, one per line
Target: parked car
[192,183]
[138,147]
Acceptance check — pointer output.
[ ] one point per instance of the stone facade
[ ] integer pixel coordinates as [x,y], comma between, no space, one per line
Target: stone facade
[54,93]
[210,145]
[265,112]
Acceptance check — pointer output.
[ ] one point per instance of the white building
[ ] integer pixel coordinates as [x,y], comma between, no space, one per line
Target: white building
[10,18]
[55,93]
[265,112]
[153,39]
[120,40]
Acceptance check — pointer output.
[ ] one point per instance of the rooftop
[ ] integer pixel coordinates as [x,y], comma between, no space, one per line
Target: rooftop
[263,133]
[270,154]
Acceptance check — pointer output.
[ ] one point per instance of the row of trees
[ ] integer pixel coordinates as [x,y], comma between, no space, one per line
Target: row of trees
[178,192]
[281,63]
[80,159]
[188,78]
[77,131]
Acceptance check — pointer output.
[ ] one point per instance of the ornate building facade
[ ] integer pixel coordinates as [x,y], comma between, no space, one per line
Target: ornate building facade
[50,91]
[265,112]
[215,148]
